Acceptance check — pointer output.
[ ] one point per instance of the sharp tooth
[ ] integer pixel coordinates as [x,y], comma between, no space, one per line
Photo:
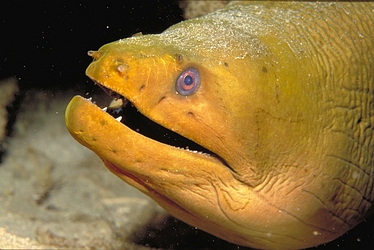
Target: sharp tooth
[116,103]
[104,109]
[119,118]
[90,99]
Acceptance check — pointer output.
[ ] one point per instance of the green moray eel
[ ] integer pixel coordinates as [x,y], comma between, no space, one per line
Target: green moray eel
[279,96]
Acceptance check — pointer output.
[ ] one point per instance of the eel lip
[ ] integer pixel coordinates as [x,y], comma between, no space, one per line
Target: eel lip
[109,92]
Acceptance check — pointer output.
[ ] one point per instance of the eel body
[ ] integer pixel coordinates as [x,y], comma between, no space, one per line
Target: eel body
[278,96]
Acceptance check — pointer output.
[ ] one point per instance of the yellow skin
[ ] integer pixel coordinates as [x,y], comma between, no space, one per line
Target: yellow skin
[286,99]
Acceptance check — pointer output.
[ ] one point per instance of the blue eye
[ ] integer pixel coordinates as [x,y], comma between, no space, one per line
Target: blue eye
[188,82]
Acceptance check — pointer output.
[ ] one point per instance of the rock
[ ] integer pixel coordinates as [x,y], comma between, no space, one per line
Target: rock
[10,241]
[192,9]
[54,192]
[8,90]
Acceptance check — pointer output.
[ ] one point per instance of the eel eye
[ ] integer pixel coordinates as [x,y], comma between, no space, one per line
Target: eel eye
[188,82]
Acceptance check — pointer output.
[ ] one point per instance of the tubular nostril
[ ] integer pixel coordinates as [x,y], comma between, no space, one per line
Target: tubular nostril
[94,54]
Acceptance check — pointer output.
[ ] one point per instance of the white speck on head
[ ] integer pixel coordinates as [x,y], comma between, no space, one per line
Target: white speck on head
[316,233]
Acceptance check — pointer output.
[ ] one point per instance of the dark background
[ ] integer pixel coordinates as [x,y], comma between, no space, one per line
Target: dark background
[45,44]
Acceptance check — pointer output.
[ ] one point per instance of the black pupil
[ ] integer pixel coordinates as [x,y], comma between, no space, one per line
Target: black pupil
[188,80]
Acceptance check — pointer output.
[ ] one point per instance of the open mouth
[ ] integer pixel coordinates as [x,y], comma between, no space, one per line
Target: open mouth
[125,112]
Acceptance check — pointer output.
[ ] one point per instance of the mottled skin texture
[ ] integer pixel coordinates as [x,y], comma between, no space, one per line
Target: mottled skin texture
[286,99]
